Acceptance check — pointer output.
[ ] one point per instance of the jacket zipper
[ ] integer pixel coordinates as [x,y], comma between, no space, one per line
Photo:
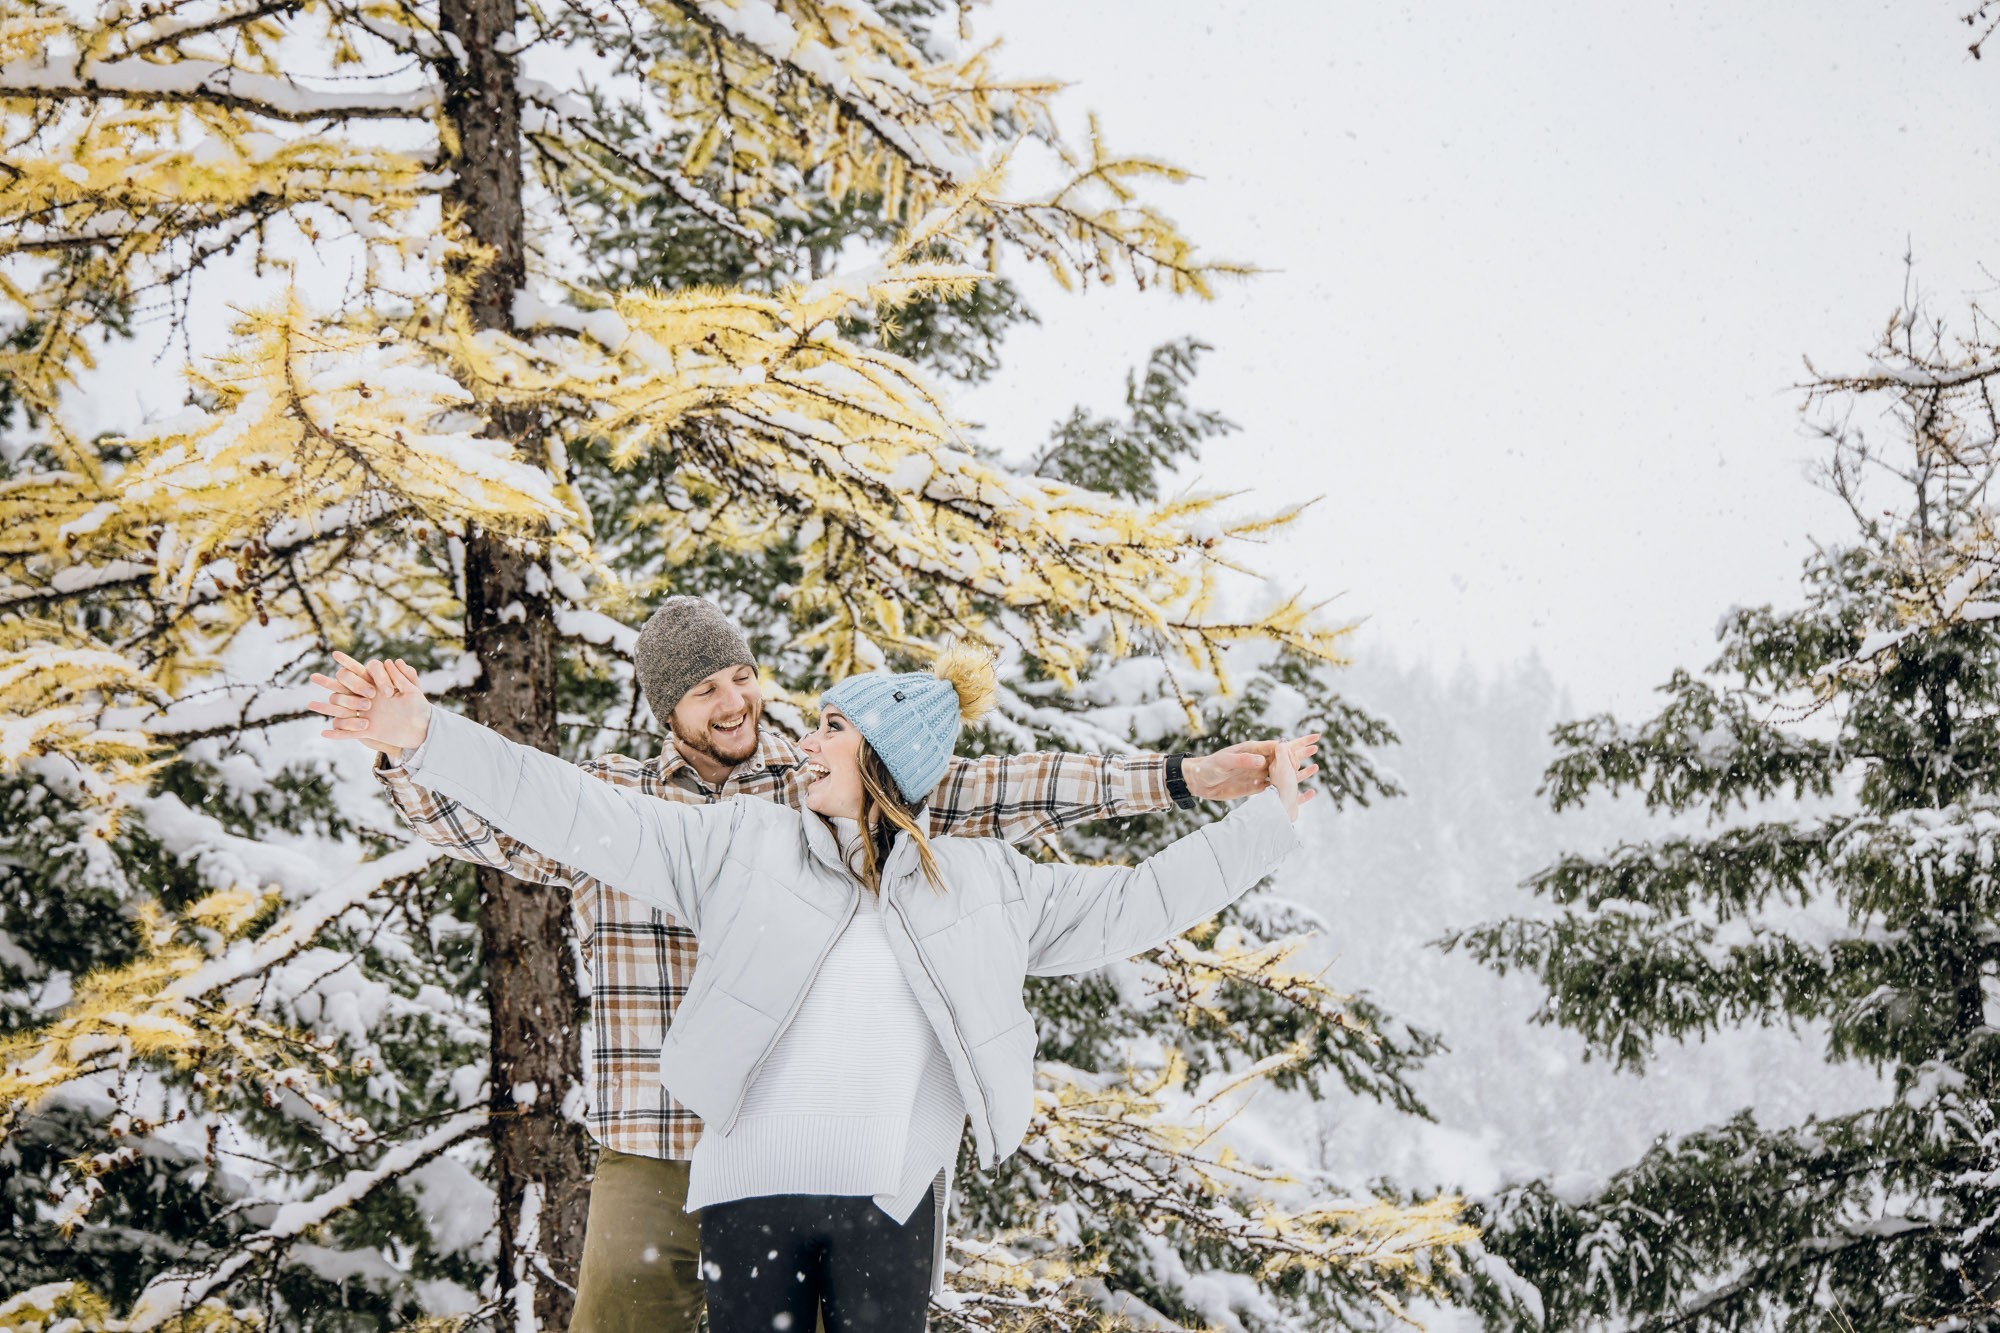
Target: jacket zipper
[853,902]
[957,1034]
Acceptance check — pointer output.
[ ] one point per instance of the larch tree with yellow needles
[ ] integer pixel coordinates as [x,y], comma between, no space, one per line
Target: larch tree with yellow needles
[627,298]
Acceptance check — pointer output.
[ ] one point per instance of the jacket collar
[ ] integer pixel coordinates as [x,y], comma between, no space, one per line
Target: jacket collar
[824,846]
[820,840]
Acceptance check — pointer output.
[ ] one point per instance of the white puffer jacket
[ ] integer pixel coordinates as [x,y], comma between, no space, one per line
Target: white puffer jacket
[764,890]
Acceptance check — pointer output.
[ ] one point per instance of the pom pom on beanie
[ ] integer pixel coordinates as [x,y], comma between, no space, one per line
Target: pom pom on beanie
[968,669]
[912,718]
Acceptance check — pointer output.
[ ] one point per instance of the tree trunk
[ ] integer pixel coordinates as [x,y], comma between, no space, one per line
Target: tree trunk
[541,1159]
[483,108]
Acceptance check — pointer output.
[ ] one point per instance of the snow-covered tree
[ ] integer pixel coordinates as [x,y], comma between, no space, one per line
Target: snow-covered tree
[1877,699]
[641,297]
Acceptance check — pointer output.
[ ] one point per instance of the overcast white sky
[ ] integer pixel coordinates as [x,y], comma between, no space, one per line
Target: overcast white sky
[1547,275]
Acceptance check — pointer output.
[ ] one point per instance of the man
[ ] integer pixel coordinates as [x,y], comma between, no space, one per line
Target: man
[639,1271]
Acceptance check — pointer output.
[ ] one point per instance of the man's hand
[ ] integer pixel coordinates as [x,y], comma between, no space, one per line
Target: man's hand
[379,704]
[1244,770]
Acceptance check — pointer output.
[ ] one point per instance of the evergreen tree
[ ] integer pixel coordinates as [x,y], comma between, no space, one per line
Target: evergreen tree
[264,1062]
[1876,700]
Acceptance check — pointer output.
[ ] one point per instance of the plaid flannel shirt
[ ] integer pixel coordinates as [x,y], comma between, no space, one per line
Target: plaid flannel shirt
[640,960]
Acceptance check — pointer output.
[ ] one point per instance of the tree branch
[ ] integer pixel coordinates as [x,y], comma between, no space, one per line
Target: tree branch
[217,24]
[208,83]
[1812,1252]
[878,119]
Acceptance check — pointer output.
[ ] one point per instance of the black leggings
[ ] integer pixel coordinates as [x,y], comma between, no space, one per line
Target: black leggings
[771,1264]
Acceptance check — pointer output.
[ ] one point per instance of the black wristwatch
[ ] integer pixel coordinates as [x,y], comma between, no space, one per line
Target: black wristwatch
[1176,784]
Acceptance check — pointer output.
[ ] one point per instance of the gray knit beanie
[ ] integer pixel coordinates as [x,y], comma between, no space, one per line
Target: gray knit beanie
[687,639]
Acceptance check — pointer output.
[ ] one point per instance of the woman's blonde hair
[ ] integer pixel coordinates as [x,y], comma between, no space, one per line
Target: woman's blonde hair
[884,813]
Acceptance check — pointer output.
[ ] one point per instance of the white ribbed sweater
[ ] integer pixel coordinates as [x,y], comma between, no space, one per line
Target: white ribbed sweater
[856,1098]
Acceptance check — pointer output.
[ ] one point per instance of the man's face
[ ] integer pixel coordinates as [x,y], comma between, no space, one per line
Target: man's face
[719,716]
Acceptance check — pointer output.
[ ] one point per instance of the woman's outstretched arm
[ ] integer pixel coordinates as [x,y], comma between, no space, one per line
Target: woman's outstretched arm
[1087,916]
[662,852]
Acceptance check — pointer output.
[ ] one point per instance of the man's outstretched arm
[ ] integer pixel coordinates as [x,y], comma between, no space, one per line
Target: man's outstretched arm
[1021,797]
[457,832]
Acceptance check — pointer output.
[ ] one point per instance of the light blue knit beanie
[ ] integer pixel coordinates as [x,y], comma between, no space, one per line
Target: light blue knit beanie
[912,718]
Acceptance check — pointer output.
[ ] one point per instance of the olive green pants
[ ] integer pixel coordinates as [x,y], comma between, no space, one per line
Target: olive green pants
[641,1269]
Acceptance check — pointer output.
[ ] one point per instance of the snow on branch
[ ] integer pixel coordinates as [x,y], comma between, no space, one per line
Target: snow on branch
[147,195]
[299,927]
[1811,1252]
[1936,388]
[233,708]
[315,428]
[1132,1147]
[869,69]
[64,77]
[313,432]
[51,686]
[156,177]
[1194,974]
[76,580]
[174,1294]
[573,622]
[1885,375]
[288,535]
[164,31]
[924,134]
[992,1286]
[172,1004]
[551,117]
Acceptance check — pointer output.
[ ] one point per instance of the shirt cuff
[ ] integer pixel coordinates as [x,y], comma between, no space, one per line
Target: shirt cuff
[386,768]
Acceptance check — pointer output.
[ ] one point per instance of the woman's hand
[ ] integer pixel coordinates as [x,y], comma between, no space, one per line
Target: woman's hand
[379,704]
[1285,777]
[1243,770]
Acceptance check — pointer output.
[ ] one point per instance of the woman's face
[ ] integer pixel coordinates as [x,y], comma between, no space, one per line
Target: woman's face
[833,764]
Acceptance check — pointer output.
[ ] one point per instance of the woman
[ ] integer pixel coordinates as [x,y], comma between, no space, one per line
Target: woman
[859,991]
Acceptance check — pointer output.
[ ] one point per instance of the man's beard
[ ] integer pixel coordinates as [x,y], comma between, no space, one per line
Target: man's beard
[704,744]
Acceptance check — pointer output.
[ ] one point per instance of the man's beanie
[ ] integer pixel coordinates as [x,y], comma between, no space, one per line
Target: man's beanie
[687,639]
[912,719]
